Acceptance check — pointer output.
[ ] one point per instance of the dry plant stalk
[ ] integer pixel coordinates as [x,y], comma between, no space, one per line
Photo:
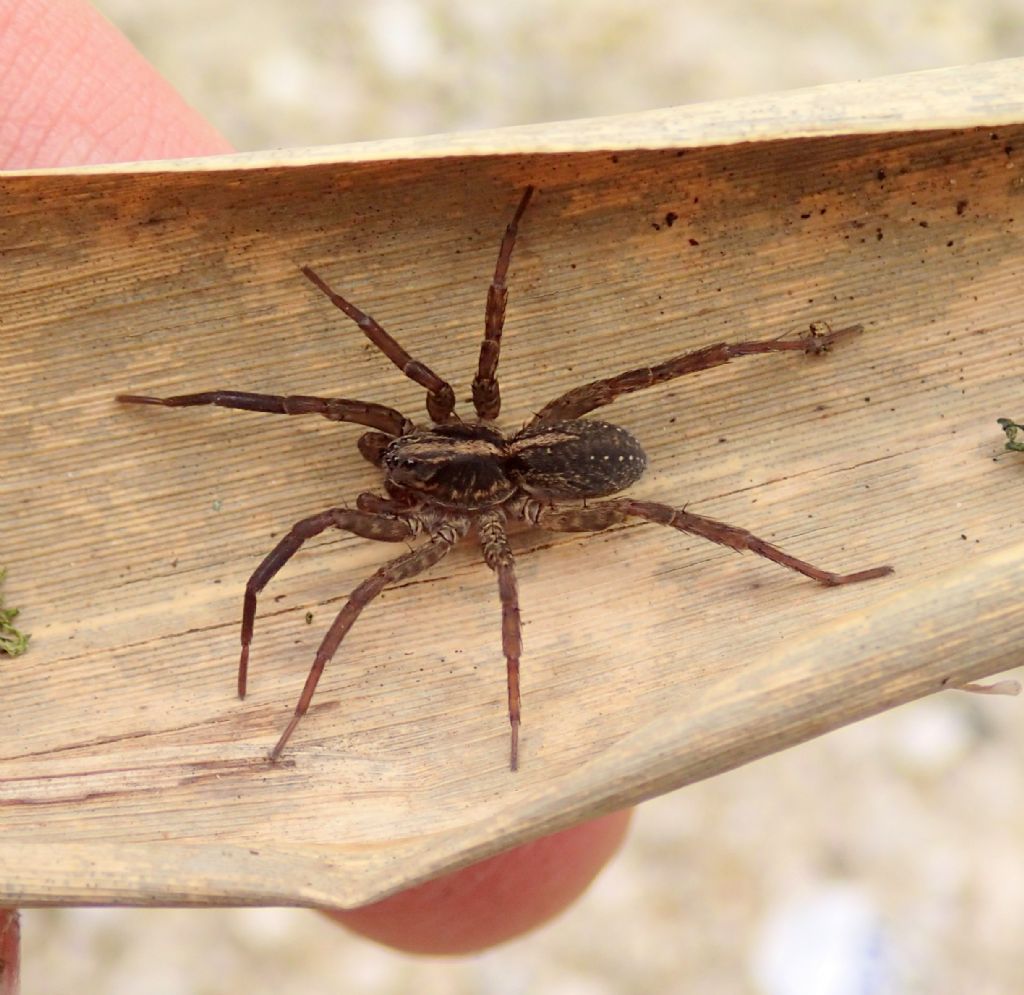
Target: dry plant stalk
[132,774]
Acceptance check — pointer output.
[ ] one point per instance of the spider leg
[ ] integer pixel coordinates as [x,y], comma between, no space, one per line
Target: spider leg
[486,394]
[407,565]
[578,401]
[333,408]
[599,516]
[498,556]
[440,396]
[369,526]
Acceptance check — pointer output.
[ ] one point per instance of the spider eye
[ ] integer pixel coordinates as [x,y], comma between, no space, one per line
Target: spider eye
[411,471]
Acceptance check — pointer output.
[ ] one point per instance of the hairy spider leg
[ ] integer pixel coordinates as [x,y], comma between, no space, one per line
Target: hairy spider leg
[580,400]
[486,392]
[370,526]
[401,568]
[440,396]
[604,514]
[498,556]
[377,416]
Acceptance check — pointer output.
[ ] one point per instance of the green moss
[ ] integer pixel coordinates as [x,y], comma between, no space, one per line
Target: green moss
[1011,428]
[12,642]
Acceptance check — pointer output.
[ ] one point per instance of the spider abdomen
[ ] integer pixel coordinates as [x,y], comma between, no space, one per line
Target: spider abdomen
[575,459]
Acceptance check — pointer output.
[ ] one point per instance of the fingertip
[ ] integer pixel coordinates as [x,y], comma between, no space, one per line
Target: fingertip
[495,900]
[73,91]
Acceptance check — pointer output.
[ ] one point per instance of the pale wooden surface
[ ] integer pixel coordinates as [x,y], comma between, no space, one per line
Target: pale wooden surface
[985,93]
[132,774]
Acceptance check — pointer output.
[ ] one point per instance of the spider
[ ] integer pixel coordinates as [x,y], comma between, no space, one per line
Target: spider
[452,478]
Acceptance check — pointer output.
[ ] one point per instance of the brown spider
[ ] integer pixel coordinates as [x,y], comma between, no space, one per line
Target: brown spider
[450,477]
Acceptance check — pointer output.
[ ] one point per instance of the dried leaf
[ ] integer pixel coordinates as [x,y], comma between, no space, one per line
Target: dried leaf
[133,774]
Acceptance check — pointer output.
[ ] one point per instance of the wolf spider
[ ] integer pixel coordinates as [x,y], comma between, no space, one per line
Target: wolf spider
[451,477]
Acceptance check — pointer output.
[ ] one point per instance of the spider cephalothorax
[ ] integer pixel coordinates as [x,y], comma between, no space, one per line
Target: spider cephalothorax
[451,477]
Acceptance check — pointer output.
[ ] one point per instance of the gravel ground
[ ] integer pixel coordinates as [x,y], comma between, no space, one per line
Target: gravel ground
[885,858]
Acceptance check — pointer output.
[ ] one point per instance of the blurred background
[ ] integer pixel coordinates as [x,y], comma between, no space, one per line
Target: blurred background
[273,73]
[885,858]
